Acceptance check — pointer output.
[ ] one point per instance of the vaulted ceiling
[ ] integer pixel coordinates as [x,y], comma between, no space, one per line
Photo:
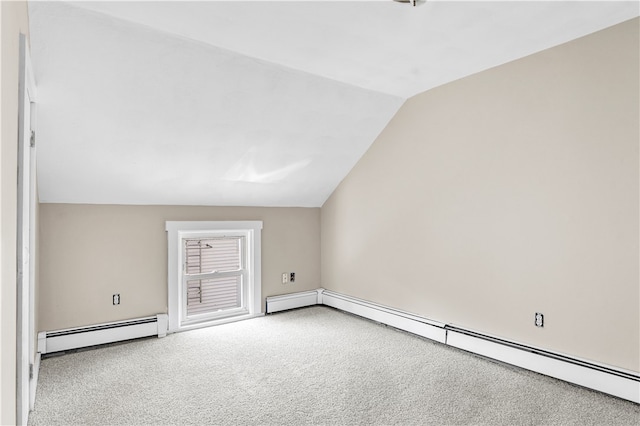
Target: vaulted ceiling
[254,103]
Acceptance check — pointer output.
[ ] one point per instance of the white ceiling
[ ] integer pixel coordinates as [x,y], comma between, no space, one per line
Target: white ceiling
[254,103]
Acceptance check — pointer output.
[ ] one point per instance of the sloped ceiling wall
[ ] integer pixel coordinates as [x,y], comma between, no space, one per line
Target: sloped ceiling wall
[131,115]
[253,103]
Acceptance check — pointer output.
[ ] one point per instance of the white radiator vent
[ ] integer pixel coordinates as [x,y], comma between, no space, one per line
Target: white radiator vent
[72,338]
[292,301]
[614,381]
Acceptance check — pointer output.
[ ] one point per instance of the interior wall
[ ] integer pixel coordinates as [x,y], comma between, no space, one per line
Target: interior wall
[509,192]
[14,20]
[90,252]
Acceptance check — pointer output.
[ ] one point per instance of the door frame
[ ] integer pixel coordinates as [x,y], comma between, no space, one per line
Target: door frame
[26,363]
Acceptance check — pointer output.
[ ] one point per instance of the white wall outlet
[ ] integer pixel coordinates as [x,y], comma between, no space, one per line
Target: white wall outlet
[285,277]
[539,320]
[116,299]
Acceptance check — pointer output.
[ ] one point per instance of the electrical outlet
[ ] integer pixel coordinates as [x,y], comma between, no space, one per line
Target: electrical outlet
[292,277]
[116,299]
[539,320]
[285,277]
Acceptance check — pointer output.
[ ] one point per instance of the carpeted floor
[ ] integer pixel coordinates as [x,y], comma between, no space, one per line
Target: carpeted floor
[309,366]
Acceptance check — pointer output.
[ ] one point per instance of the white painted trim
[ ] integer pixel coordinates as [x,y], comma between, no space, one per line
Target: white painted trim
[399,319]
[175,230]
[614,381]
[34,387]
[218,321]
[42,342]
[62,340]
[561,368]
[163,324]
[25,241]
[291,301]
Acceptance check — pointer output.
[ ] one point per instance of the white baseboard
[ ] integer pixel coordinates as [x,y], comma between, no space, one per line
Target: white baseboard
[607,379]
[620,383]
[402,320]
[291,301]
[62,340]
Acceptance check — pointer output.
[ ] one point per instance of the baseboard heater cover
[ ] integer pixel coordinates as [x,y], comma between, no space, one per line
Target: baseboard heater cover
[291,301]
[395,318]
[73,338]
[613,381]
[607,379]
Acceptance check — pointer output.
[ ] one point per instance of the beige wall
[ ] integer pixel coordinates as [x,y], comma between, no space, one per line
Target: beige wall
[14,20]
[90,252]
[510,192]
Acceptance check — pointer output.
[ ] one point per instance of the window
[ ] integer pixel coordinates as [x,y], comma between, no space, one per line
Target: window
[213,272]
[214,269]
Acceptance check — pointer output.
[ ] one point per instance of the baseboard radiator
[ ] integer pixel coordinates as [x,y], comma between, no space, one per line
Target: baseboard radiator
[292,301]
[99,334]
[611,380]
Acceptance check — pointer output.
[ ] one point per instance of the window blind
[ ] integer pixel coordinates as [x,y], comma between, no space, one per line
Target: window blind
[212,254]
[212,295]
[213,273]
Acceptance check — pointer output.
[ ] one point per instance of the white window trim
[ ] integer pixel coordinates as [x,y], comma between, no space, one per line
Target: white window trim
[175,231]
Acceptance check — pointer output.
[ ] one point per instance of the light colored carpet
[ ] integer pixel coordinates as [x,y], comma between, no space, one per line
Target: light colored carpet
[309,366]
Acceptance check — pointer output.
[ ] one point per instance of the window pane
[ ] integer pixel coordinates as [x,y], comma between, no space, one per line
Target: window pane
[213,254]
[212,295]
